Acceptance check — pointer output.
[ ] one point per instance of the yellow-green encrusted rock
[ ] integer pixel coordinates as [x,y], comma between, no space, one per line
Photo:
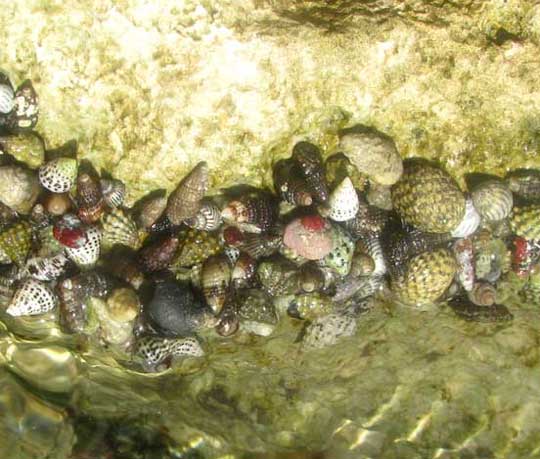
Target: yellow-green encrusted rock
[525,222]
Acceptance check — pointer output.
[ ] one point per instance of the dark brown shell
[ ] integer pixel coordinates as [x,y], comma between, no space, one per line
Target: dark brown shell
[185,201]
[244,271]
[254,212]
[228,322]
[150,211]
[309,158]
[158,255]
[256,245]
[368,220]
[467,310]
[89,198]
[290,184]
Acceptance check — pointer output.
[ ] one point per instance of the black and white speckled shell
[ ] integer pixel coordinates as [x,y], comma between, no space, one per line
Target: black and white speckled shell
[114,192]
[87,255]
[46,268]
[153,350]
[32,298]
[58,175]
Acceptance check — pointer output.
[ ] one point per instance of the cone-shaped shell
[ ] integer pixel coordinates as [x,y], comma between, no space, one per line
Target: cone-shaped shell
[256,245]
[16,241]
[244,271]
[309,158]
[493,200]
[58,175]
[215,280]
[89,198]
[87,255]
[254,213]
[31,298]
[426,278]
[185,201]
[525,222]
[119,228]
[150,211]
[46,268]
[290,184]
[428,198]
[309,236]
[154,350]
[343,203]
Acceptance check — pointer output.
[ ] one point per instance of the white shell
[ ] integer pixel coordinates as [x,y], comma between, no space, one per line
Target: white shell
[7,98]
[343,203]
[114,192]
[87,255]
[53,179]
[469,223]
[153,350]
[31,298]
[46,268]
[207,219]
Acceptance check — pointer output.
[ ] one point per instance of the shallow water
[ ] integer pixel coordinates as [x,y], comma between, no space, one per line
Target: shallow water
[409,383]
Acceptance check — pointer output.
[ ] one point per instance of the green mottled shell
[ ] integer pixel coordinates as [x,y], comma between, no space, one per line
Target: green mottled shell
[313,305]
[525,222]
[428,198]
[277,277]
[119,228]
[256,306]
[16,241]
[426,278]
[340,257]
[195,247]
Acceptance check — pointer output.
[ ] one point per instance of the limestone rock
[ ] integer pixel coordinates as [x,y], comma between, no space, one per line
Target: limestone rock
[19,188]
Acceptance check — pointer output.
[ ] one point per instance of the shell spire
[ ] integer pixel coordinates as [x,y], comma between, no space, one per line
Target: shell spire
[185,201]
[343,203]
[89,198]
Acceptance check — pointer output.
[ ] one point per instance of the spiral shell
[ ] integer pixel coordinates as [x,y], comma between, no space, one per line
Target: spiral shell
[113,191]
[215,280]
[46,268]
[255,245]
[309,158]
[31,298]
[89,198]
[311,278]
[123,265]
[469,223]
[208,218]
[185,201]
[290,184]
[153,351]
[525,222]
[119,228]
[426,277]
[428,198]
[310,306]
[493,200]
[525,183]
[483,294]
[228,321]
[253,212]
[87,255]
[26,110]
[58,175]
[343,203]
[15,242]
[194,247]
[244,271]
[159,254]
[276,276]
[256,312]
[7,95]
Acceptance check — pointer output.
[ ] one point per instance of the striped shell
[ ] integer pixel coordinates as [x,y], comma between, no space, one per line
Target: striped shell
[343,203]
[255,245]
[254,212]
[87,255]
[426,278]
[31,298]
[483,294]
[525,222]
[208,217]
[428,198]
[290,183]
[114,192]
[493,200]
[119,228]
[215,280]
[525,183]
[185,201]
[89,199]
[58,175]
[309,158]
[46,268]
[16,241]
[469,223]
[7,97]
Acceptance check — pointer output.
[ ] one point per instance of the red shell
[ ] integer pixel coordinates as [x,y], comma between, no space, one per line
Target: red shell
[521,256]
[70,233]
[232,236]
[313,222]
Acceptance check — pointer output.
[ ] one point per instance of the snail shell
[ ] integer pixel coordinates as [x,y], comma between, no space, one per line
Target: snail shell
[119,228]
[253,212]
[525,183]
[16,241]
[87,255]
[215,281]
[290,183]
[208,218]
[310,306]
[524,222]
[469,223]
[24,115]
[31,298]
[46,268]
[113,191]
[89,199]
[255,245]
[7,95]
[343,203]
[493,200]
[158,255]
[58,175]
